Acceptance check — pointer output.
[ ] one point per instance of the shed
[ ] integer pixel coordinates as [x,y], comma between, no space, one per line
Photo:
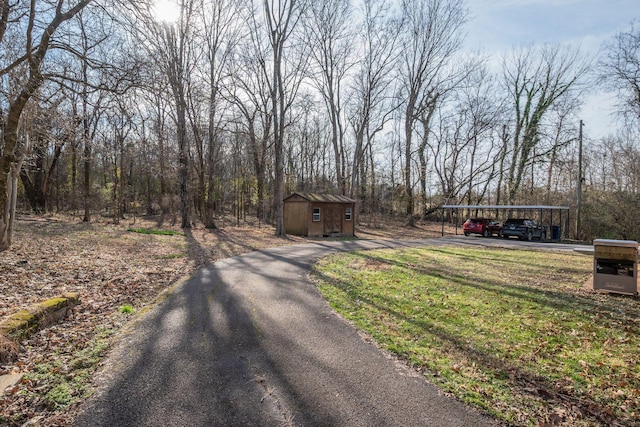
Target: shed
[318,215]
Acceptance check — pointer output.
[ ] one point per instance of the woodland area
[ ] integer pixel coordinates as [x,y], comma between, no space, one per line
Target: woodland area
[202,114]
[116,109]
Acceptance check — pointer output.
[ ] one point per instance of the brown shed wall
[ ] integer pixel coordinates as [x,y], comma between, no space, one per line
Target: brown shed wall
[295,217]
[298,216]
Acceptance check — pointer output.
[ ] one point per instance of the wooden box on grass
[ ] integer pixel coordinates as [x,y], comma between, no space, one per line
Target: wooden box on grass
[615,266]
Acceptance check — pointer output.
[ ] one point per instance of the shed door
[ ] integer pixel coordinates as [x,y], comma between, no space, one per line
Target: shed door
[333,220]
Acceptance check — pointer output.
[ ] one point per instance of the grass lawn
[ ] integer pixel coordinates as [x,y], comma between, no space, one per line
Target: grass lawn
[512,332]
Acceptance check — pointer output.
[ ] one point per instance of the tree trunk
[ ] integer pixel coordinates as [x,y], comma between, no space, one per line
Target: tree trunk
[183,160]
[87,172]
[8,215]
[9,163]
[408,188]
[278,121]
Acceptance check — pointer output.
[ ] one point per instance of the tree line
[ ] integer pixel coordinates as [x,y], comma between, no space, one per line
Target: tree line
[108,108]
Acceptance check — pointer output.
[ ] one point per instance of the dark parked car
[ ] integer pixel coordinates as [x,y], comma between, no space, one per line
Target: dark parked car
[484,226]
[523,229]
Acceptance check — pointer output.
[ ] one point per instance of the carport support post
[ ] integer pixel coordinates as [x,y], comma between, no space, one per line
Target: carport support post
[540,221]
[455,221]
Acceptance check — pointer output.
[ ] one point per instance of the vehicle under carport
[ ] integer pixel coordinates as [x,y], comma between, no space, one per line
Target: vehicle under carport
[545,214]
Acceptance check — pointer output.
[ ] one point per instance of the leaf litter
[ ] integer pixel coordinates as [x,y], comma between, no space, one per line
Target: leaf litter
[109,266]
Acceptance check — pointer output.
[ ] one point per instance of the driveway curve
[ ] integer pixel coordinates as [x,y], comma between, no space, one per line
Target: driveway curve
[248,341]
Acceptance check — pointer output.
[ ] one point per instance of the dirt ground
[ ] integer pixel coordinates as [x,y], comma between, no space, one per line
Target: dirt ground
[110,267]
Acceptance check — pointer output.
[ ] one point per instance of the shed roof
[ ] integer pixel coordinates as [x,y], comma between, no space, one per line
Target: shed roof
[328,198]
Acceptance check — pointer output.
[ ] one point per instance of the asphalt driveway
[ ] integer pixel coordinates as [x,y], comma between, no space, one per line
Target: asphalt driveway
[248,341]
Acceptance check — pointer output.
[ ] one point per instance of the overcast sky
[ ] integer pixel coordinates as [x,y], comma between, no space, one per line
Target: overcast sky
[498,25]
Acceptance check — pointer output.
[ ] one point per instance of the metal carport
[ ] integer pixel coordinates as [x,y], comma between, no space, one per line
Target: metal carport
[540,209]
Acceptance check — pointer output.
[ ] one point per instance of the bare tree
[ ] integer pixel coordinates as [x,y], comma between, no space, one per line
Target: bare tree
[281,18]
[370,105]
[465,162]
[431,35]
[329,34]
[612,187]
[49,131]
[461,148]
[160,110]
[251,94]
[91,98]
[620,68]
[440,89]
[172,46]
[38,23]
[564,130]
[220,32]
[536,79]
[177,65]
[116,133]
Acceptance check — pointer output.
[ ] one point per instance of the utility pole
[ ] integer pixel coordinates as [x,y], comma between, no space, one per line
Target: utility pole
[579,207]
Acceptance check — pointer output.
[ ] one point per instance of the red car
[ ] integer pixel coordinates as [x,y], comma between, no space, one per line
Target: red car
[484,226]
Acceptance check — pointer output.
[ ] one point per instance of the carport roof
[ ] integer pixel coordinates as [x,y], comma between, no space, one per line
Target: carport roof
[537,207]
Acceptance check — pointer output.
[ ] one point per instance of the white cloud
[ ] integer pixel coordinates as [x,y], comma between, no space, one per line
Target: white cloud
[515,22]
